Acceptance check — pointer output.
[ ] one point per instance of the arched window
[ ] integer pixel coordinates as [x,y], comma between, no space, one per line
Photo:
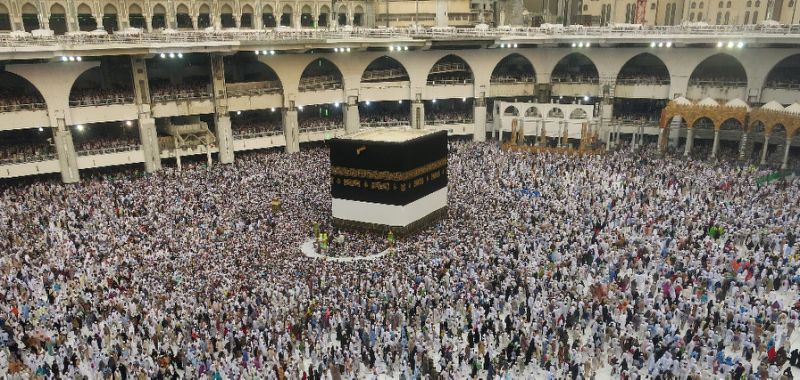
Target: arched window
[694,5]
[699,16]
[755,17]
[691,16]
[746,17]
[721,4]
[727,17]
[701,5]
[719,18]
[749,4]
[728,5]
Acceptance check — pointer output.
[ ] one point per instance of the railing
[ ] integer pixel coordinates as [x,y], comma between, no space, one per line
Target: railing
[384,75]
[385,124]
[101,102]
[321,128]
[717,83]
[448,68]
[116,149]
[783,86]
[255,135]
[190,36]
[182,96]
[448,122]
[26,159]
[557,80]
[449,82]
[23,107]
[512,80]
[320,83]
[644,81]
[255,88]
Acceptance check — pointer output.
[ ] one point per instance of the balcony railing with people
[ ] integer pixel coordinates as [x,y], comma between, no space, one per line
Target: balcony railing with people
[12,100]
[136,36]
[328,126]
[320,83]
[571,79]
[385,75]
[449,81]
[643,81]
[23,107]
[100,97]
[254,128]
[20,152]
[106,145]
[253,88]
[717,82]
[784,85]
[512,79]
[386,124]
[117,149]
[165,93]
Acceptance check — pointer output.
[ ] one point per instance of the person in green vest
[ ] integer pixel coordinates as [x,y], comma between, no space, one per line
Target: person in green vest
[390,239]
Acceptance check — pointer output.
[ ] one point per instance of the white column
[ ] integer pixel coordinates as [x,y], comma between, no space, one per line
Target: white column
[291,130]
[715,147]
[224,135]
[67,158]
[786,152]
[479,117]
[764,149]
[149,140]
[417,114]
[743,145]
[352,118]
[689,142]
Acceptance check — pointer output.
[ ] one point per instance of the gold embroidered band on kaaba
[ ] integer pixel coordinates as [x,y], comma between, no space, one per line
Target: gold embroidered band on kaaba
[387,175]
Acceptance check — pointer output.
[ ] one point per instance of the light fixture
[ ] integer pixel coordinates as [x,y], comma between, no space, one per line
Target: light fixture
[405,48]
[434,100]
[300,108]
[80,127]
[180,55]
[502,46]
[464,100]
[336,104]
[653,44]
[399,102]
[41,129]
[574,44]
[719,44]
[257,52]
[78,59]
[272,52]
[660,44]
[238,112]
[172,55]
[336,50]
[72,59]
[129,123]
[669,44]
[272,109]
[730,45]
[163,55]
[367,102]
[348,50]
[586,98]
[740,45]
[515,45]
[588,44]
[64,59]
[391,48]
[580,44]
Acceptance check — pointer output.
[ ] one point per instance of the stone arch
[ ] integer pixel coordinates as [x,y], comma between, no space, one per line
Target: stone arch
[20,86]
[707,123]
[511,111]
[532,111]
[267,9]
[578,114]
[29,9]
[225,9]
[642,64]
[575,66]
[159,9]
[182,9]
[57,9]
[555,113]
[321,74]
[245,67]
[729,125]
[451,65]
[784,73]
[109,9]
[110,19]
[513,63]
[709,69]
[247,9]
[204,8]
[135,9]
[84,8]
[385,69]
[757,126]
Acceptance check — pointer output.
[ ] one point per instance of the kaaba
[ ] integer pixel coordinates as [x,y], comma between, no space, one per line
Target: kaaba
[389,179]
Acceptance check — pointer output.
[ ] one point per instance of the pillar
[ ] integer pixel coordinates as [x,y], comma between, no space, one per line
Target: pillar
[674,131]
[418,113]
[291,130]
[352,118]
[224,135]
[764,149]
[222,128]
[148,137]
[479,118]
[715,147]
[149,140]
[743,145]
[67,158]
[689,142]
[788,147]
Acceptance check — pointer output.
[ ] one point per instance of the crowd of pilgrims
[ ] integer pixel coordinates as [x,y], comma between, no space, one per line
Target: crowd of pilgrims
[624,265]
